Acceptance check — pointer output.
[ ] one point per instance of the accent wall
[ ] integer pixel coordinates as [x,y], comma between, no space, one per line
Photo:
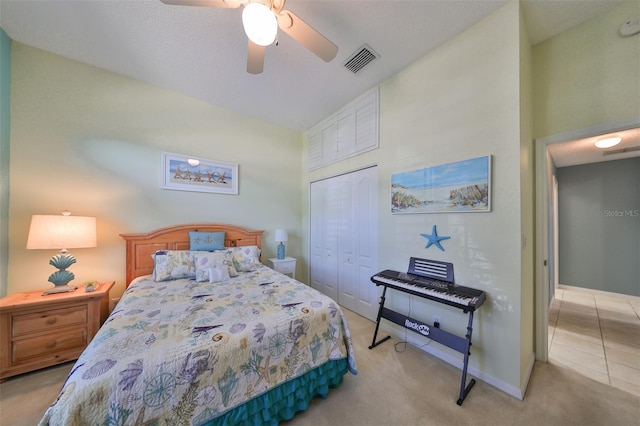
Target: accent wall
[90,141]
[599,226]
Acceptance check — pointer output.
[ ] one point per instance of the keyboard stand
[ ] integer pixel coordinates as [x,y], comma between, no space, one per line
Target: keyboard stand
[460,344]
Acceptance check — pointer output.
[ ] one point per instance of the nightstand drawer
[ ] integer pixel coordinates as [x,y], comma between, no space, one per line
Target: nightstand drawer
[51,343]
[35,323]
[287,267]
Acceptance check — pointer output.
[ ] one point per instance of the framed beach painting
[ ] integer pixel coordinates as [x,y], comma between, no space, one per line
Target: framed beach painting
[460,187]
[184,173]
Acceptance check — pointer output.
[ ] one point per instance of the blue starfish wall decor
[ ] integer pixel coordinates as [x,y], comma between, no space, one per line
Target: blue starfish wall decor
[434,239]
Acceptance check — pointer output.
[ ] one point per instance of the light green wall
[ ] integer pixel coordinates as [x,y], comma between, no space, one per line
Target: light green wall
[527,209]
[90,141]
[588,75]
[584,78]
[461,101]
[5,124]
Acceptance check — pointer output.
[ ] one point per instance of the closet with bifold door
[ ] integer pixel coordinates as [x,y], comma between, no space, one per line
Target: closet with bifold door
[344,239]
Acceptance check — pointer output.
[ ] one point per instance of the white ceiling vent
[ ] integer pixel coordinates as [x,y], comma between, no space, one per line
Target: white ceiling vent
[360,59]
[621,150]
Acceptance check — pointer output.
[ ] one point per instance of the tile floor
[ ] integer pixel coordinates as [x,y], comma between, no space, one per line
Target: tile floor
[598,335]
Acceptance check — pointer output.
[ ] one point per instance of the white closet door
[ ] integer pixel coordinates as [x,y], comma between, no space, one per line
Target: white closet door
[316,250]
[330,238]
[324,236]
[366,223]
[343,239]
[347,282]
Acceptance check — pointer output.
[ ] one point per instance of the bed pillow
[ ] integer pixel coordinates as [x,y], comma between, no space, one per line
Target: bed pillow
[219,274]
[173,265]
[206,241]
[245,258]
[205,261]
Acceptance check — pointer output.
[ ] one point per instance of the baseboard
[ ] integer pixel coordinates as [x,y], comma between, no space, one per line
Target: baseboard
[437,351]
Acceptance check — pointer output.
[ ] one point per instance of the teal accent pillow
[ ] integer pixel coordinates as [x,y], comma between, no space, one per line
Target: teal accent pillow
[206,241]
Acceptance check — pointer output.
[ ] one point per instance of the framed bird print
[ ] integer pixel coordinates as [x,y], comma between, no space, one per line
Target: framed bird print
[184,173]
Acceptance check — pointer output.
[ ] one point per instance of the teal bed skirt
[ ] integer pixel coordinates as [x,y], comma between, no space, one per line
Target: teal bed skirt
[282,402]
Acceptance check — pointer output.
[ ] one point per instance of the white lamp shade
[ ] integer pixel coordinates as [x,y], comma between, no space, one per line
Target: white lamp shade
[61,232]
[259,23]
[281,235]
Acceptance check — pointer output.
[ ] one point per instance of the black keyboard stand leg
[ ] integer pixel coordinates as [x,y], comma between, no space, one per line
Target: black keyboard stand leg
[375,334]
[465,390]
[463,394]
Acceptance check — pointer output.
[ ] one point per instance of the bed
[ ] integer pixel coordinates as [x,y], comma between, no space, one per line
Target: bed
[206,334]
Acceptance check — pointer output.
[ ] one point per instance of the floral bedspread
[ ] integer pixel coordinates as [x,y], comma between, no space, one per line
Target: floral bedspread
[181,351]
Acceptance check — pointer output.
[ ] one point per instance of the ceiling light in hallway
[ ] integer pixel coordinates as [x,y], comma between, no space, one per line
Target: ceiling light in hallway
[608,142]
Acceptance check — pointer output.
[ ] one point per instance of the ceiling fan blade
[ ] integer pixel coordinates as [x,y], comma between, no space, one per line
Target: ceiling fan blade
[304,34]
[229,4]
[255,58]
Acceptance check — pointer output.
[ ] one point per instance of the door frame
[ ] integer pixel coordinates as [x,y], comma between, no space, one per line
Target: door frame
[544,241]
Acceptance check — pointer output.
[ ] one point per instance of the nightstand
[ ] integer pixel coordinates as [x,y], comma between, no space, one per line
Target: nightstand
[286,266]
[39,331]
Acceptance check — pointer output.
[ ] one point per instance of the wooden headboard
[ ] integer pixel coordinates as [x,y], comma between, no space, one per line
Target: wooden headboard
[140,247]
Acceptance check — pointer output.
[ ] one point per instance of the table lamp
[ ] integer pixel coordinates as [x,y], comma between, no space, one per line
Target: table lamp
[281,237]
[61,232]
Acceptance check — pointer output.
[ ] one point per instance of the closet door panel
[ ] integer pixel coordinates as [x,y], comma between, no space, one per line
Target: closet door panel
[330,237]
[315,148]
[346,132]
[365,211]
[316,250]
[330,140]
[347,282]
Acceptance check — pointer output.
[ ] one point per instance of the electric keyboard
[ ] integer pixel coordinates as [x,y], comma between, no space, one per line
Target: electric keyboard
[465,298]
[433,280]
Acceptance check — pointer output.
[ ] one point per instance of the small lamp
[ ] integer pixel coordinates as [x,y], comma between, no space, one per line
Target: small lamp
[61,232]
[281,237]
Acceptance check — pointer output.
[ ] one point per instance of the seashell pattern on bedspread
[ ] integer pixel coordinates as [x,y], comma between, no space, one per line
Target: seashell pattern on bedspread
[185,352]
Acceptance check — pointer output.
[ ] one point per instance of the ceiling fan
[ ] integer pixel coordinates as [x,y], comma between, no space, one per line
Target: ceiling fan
[261,19]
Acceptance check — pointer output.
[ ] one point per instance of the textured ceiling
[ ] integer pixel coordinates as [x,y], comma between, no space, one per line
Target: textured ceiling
[584,151]
[201,51]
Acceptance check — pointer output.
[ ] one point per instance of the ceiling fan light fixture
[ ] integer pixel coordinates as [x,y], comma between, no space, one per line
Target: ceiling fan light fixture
[260,24]
[608,142]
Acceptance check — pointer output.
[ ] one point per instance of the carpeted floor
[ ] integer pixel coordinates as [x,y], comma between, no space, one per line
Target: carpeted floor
[399,388]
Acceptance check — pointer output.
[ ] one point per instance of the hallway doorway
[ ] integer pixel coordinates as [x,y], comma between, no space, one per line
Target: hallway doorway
[546,249]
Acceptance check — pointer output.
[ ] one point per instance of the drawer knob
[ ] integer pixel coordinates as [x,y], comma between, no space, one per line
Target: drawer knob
[51,320]
[51,344]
